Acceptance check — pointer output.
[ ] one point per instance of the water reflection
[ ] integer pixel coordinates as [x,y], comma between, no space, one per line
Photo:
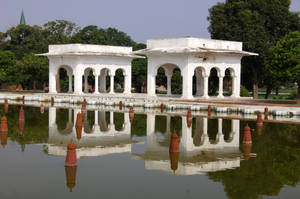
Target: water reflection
[200,150]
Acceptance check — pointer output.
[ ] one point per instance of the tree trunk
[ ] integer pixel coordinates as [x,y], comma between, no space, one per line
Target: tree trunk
[255,91]
[268,91]
[298,97]
[34,85]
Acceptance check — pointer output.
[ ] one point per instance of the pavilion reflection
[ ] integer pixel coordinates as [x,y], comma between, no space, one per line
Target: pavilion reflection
[198,153]
[204,146]
[98,139]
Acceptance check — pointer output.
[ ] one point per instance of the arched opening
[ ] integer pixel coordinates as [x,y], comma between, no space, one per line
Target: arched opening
[198,129]
[212,131]
[88,122]
[161,81]
[64,121]
[227,130]
[228,82]
[64,79]
[168,80]
[213,82]
[103,121]
[119,121]
[198,82]
[89,81]
[104,80]
[176,82]
[119,81]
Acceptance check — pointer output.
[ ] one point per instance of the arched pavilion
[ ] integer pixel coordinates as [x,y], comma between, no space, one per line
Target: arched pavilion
[194,56]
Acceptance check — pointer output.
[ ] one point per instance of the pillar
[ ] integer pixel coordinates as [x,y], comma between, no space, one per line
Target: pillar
[220,95]
[70,83]
[78,80]
[234,85]
[187,83]
[199,84]
[169,77]
[96,74]
[52,80]
[86,83]
[112,78]
[205,86]
[151,73]
[111,124]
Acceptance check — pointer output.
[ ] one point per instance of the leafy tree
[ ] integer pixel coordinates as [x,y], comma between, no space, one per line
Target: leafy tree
[7,65]
[259,24]
[110,36]
[59,31]
[284,61]
[34,69]
[139,70]
[25,39]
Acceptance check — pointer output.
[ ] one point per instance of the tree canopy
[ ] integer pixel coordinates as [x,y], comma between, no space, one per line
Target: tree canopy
[259,24]
[284,59]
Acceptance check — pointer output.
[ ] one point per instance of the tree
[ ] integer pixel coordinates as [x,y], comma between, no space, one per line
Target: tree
[25,39]
[257,23]
[284,60]
[94,35]
[7,65]
[139,70]
[34,69]
[59,31]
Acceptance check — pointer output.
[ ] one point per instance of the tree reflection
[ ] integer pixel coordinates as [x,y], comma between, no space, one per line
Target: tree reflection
[276,165]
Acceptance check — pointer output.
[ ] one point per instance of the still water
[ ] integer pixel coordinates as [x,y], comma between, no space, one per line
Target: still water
[123,157]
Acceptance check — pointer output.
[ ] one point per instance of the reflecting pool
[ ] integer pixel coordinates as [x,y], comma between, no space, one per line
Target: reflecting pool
[124,155]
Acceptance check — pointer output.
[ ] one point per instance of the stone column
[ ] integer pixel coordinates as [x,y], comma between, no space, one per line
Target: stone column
[112,80]
[52,80]
[220,136]
[86,83]
[169,77]
[127,80]
[199,84]
[151,73]
[205,86]
[70,83]
[233,87]
[186,141]
[111,124]
[96,74]
[187,82]
[220,95]
[127,84]
[78,80]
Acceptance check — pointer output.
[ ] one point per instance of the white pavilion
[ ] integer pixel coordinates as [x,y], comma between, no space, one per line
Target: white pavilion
[192,56]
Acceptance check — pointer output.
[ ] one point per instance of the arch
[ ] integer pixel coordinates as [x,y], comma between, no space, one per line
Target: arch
[119,80]
[89,79]
[198,133]
[64,79]
[212,131]
[198,81]
[63,127]
[104,81]
[119,120]
[88,122]
[173,85]
[228,81]
[213,81]
[103,121]
[161,81]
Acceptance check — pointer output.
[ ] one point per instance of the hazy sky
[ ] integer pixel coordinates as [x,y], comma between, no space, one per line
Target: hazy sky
[141,19]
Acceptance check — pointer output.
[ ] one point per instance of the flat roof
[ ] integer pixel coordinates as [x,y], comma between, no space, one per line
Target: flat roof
[89,50]
[194,45]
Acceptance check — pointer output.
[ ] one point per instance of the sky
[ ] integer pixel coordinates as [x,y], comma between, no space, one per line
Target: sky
[140,19]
